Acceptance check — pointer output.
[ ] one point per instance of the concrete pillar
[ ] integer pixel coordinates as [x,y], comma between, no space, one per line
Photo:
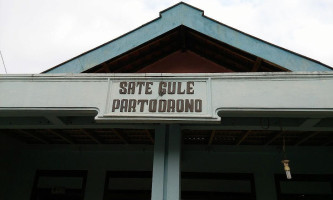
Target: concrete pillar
[166,169]
[173,170]
[265,185]
[95,184]
[159,163]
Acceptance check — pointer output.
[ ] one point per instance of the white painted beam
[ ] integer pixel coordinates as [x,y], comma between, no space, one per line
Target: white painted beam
[291,94]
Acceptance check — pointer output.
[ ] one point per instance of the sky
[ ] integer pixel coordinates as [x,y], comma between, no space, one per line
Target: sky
[36,35]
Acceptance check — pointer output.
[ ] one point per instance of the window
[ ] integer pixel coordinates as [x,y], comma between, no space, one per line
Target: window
[232,186]
[126,185]
[59,185]
[305,187]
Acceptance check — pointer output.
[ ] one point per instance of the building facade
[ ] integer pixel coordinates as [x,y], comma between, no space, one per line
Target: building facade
[183,107]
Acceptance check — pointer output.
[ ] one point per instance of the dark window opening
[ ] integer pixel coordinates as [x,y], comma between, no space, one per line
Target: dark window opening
[231,186]
[128,185]
[305,187]
[59,185]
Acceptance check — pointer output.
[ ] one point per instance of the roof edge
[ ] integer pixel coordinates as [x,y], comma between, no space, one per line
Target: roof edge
[277,46]
[123,35]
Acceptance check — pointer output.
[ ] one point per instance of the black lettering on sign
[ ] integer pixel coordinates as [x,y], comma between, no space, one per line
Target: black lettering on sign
[152,105]
[140,84]
[179,88]
[123,105]
[180,105]
[122,86]
[141,103]
[161,88]
[156,105]
[115,104]
[198,105]
[162,105]
[171,87]
[189,105]
[171,105]
[189,88]
[132,105]
[148,87]
[131,88]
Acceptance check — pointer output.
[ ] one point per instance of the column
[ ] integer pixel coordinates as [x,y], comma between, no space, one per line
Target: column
[159,163]
[166,169]
[95,184]
[265,185]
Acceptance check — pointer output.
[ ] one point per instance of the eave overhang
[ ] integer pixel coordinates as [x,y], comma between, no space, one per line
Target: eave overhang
[276,94]
[261,107]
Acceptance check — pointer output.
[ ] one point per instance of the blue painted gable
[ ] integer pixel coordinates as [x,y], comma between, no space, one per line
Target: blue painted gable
[184,14]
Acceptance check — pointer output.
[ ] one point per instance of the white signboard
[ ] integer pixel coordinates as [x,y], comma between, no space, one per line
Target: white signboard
[156,100]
